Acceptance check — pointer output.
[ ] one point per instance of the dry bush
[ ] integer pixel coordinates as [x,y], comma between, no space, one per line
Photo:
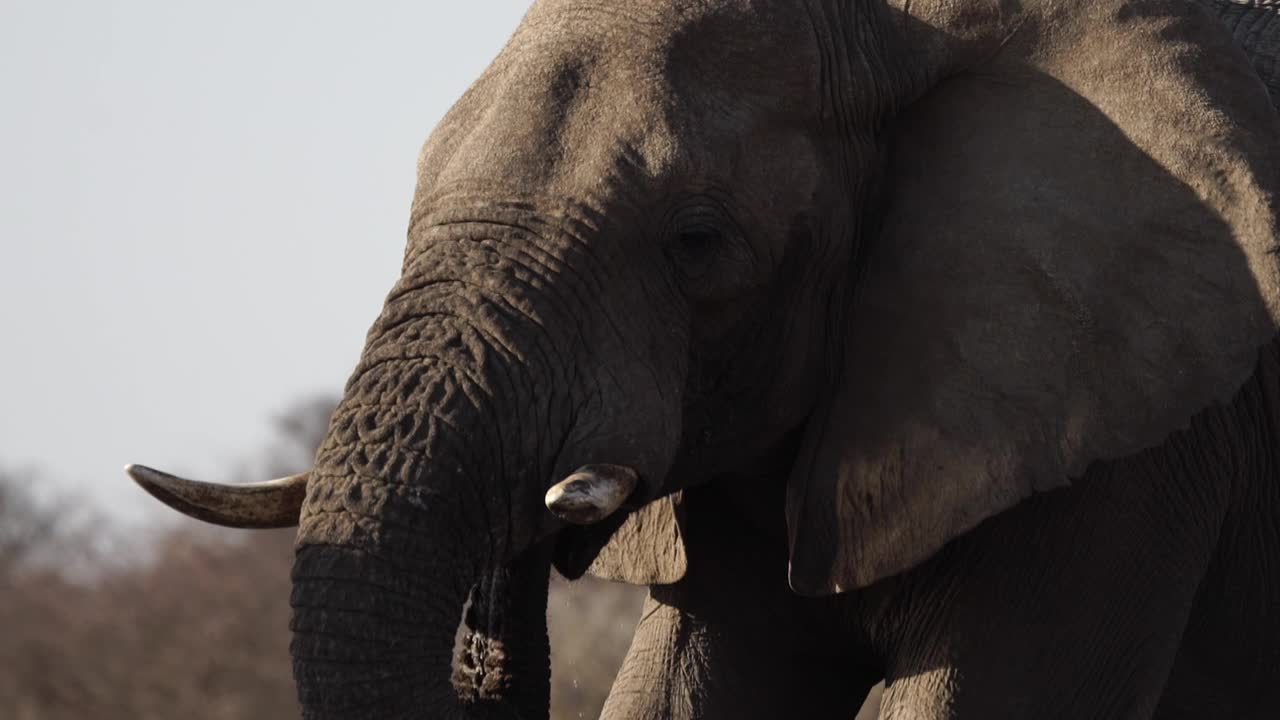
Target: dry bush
[199,632]
[193,624]
[590,622]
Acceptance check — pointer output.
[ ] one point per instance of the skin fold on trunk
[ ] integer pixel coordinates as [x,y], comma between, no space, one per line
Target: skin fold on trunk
[383,574]
[404,520]
[507,607]
[426,505]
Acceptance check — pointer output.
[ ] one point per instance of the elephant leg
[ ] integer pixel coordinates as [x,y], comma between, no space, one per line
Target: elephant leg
[731,640]
[684,665]
[1228,665]
[1071,605]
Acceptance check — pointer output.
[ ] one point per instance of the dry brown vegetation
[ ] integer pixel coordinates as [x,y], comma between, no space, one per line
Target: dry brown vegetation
[192,623]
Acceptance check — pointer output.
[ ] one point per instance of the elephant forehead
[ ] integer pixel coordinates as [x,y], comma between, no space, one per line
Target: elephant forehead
[554,121]
[585,92]
[729,47]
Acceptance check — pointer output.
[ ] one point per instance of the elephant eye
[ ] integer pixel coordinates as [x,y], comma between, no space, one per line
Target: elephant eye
[695,249]
[708,251]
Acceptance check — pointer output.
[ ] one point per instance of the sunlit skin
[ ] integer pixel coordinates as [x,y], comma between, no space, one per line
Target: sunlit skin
[902,341]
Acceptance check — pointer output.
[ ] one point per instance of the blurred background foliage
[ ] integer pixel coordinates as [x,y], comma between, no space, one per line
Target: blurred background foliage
[192,622]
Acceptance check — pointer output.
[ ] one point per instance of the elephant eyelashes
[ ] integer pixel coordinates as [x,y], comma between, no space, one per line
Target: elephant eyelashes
[711,265]
[705,245]
[696,249]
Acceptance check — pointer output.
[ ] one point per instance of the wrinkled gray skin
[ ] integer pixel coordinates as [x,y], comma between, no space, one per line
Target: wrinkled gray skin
[841,281]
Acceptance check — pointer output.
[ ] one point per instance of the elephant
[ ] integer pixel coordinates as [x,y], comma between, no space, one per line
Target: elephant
[925,340]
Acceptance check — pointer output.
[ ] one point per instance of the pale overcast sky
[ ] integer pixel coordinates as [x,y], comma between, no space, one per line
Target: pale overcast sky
[202,206]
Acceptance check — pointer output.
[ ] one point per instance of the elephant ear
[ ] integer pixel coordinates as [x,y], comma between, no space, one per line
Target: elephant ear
[1078,255]
[645,548]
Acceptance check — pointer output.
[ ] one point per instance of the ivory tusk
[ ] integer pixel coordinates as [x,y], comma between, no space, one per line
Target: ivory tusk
[273,504]
[591,494]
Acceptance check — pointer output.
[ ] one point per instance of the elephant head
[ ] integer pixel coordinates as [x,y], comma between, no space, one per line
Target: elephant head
[921,259]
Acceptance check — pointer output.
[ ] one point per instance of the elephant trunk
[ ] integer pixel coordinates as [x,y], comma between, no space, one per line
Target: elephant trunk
[504,654]
[367,641]
[403,537]
[377,638]
[425,509]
